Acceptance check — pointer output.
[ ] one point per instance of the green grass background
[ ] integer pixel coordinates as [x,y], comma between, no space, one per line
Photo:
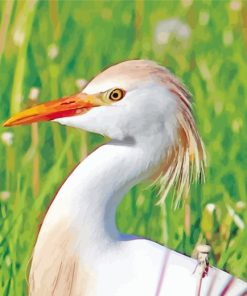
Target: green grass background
[89,36]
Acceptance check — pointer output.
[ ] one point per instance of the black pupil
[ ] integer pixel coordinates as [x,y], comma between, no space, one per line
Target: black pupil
[115,95]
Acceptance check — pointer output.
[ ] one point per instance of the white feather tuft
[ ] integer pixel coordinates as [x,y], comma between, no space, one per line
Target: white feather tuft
[186,159]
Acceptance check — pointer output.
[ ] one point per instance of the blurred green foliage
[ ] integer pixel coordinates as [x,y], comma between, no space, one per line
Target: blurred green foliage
[50,45]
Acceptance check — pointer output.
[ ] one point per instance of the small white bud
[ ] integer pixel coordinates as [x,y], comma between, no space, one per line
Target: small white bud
[210,207]
[203,248]
[4,195]
[53,51]
[240,205]
[7,138]
[235,5]
[171,27]
[81,83]
[34,93]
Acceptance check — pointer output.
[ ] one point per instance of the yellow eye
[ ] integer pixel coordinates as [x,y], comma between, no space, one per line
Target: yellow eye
[116,94]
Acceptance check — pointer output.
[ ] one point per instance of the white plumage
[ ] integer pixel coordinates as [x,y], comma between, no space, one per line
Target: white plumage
[79,250]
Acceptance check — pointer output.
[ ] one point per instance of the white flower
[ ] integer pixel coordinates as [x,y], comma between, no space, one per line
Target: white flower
[34,93]
[4,195]
[7,138]
[81,83]
[210,207]
[171,27]
[187,3]
[203,248]
[53,51]
[240,205]
[235,5]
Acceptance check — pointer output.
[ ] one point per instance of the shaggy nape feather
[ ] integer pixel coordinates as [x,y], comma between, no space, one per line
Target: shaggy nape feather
[185,159]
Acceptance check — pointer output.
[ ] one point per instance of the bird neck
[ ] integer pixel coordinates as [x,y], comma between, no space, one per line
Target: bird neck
[91,194]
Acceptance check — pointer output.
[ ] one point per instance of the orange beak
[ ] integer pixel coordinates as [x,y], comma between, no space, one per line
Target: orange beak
[64,107]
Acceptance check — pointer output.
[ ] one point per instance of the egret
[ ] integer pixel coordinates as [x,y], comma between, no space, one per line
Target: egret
[146,112]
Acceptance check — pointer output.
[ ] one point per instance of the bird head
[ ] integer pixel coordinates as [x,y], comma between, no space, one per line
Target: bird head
[133,99]
[126,100]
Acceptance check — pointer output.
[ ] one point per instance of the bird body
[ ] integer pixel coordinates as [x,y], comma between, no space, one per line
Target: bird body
[79,251]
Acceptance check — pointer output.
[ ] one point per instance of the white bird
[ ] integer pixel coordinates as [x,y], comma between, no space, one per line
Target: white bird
[146,112]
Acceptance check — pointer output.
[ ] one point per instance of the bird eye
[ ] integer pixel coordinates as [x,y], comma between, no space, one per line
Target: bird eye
[116,94]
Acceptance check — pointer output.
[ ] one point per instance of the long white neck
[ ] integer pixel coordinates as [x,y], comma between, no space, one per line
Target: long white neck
[89,197]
